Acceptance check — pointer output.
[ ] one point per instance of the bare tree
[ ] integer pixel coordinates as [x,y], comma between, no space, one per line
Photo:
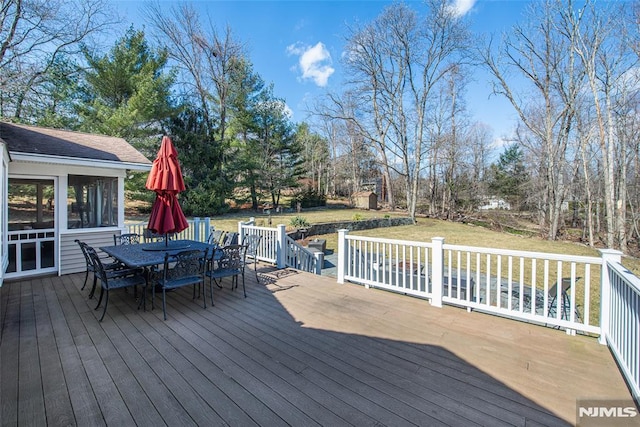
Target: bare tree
[602,47]
[395,63]
[478,139]
[208,60]
[544,56]
[34,35]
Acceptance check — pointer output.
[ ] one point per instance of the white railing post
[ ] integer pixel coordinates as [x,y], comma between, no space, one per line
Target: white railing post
[196,228]
[608,255]
[437,271]
[207,225]
[281,246]
[319,256]
[252,221]
[207,229]
[342,253]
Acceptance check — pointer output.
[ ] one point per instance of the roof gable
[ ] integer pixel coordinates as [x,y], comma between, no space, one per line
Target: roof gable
[363,194]
[63,143]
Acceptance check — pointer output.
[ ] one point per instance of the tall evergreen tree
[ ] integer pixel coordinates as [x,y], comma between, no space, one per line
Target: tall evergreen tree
[127,91]
[208,180]
[279,152]
[509,175]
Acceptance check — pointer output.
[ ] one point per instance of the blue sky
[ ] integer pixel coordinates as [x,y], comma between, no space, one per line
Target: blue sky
[297,45]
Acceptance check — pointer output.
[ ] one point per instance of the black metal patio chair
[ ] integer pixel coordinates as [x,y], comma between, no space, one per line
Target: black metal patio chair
[228,261]
[126,239]
[230,238]
[553,305]
[563,304]
[252,241]
[108,266]
[215,237]
[117,279]
[183,269]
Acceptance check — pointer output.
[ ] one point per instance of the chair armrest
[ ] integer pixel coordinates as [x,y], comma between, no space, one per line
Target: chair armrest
[114,274]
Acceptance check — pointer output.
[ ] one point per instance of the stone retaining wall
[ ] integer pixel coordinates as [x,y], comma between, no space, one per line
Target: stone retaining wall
[365,224]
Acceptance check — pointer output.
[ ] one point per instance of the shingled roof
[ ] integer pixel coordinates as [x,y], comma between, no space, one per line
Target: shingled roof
[63,143]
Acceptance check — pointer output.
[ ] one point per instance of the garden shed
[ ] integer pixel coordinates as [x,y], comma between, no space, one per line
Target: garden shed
[365,200]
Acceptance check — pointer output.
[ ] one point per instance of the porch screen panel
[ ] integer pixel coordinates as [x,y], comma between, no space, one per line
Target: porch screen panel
[92,201]
[31,224]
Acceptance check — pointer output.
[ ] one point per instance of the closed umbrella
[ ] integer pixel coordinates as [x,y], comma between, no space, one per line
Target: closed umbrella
[166,180]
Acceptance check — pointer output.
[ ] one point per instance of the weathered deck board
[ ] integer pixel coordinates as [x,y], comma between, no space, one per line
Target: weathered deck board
[300,350]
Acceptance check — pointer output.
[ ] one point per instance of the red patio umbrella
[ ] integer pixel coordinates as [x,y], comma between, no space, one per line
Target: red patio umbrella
[166,180]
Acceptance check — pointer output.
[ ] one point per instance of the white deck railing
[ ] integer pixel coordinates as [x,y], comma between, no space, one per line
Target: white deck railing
[301,258]
[623,323]
[269,243]
[275,246]
[278,248]
[198,230]
[549,289]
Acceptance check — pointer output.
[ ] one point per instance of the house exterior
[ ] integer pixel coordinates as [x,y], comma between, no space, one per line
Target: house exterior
[57,186]
[365,200]
[495,203]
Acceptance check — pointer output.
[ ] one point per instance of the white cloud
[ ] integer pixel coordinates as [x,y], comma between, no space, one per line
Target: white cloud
[461,7]
[313,61]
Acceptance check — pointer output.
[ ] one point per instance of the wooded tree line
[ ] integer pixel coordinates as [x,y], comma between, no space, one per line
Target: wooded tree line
[400,119]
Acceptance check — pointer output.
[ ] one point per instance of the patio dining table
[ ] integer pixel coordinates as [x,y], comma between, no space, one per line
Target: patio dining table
[152,254]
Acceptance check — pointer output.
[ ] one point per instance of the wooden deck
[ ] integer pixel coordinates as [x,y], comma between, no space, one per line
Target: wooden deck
[300,350]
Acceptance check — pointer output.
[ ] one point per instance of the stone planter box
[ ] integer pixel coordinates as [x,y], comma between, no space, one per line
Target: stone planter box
[317,245]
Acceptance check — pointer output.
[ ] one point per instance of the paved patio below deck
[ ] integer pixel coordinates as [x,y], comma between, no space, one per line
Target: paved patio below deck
[300,350]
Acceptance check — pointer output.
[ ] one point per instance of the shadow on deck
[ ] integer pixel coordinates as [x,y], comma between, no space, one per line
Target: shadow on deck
[300,350]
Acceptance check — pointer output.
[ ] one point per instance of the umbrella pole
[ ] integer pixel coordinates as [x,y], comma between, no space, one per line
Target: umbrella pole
[166,239]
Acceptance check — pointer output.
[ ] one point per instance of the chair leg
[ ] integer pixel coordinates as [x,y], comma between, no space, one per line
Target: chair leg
[204,293]
[164,303]
[100,299]
[552,309]
[86,276]
[93,288]
[106,303]
[243,288]
[210,291]
[143,298]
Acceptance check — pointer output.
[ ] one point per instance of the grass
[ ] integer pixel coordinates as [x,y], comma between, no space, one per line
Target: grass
[229,222]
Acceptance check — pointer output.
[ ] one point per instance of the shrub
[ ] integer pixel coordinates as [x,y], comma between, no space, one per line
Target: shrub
[357,217]
[308,198]
[299,222]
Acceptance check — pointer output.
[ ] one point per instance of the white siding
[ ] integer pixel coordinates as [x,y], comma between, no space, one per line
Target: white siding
[71,258]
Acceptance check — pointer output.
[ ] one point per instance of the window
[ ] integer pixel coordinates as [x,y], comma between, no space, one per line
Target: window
[31,204]
[92,201]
